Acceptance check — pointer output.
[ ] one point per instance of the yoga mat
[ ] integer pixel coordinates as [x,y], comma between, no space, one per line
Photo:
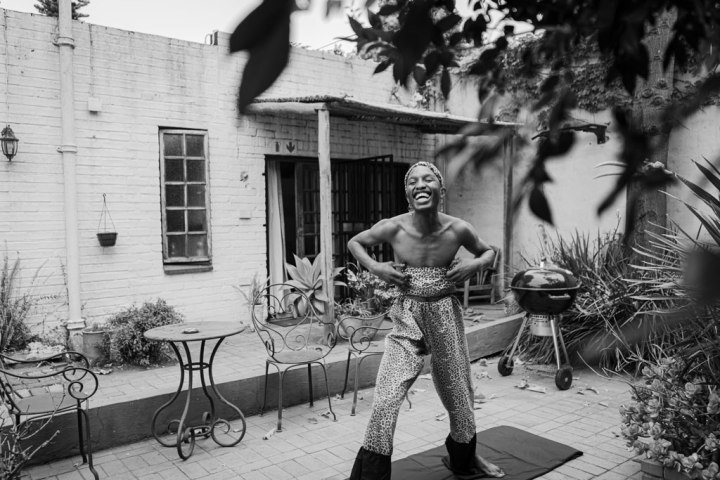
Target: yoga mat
[520,454]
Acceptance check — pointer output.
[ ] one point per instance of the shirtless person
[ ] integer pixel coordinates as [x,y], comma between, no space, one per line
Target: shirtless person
[427,319]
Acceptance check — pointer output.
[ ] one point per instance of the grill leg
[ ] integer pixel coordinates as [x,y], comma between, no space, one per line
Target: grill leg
[517,339]
[562,344]
[554,329]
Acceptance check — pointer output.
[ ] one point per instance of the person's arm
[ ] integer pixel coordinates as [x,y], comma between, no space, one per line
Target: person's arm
[381,232]
[484,255]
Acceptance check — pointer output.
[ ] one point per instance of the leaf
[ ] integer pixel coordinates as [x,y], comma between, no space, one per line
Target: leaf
[713,178]
[445,83]
[419,75]
[254,29]
[355,25]
[432,62]
[556,147]
[487,110]
[267,60]
[701,193]
[382,66]
[550,83]
[388,9]
[448,22]
[412,39]
[374,20]
[292,271]
[539,205]
[455,38]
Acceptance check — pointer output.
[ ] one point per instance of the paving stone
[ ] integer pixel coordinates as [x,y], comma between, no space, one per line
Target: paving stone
[313,451]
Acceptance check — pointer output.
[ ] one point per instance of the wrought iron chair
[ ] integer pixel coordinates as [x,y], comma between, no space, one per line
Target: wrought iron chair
[481,287]
[361,334]
[293,337]
[36,389]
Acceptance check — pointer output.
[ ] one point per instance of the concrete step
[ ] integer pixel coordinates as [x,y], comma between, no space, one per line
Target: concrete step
[122,410]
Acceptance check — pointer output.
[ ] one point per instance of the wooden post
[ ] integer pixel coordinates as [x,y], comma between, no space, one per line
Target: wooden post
[508,157]
[326,209]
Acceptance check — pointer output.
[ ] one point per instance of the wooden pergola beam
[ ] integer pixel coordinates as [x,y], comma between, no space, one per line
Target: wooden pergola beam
[326,249]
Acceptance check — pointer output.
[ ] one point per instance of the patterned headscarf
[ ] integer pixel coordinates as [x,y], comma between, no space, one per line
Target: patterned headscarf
[432,168]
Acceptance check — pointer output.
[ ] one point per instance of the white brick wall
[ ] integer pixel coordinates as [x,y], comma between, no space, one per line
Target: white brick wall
[146,82]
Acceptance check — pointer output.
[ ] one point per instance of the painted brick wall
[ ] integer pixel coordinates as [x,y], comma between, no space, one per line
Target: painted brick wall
[145,82]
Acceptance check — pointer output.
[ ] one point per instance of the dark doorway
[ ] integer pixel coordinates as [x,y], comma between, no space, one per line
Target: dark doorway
[363,192]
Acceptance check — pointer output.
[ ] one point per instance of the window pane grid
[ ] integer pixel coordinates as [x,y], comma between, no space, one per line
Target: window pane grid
[185,222]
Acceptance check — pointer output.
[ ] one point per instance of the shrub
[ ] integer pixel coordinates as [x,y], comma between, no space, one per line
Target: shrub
[127,343]
[15,451]
[14,307]
[674,417]
[603,300]
[618,314]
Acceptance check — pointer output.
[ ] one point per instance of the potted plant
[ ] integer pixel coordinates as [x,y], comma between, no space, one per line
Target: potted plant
[373,294]
[306,278]
[106,237]
[251,293]
[93,339]
[368,304]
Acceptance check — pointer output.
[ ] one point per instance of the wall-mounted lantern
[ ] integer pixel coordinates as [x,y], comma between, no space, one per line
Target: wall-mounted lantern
[8,142]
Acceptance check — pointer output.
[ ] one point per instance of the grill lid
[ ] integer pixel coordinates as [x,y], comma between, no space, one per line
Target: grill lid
[545,278]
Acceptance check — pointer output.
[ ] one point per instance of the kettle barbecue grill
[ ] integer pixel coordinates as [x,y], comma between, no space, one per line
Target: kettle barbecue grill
[544,293]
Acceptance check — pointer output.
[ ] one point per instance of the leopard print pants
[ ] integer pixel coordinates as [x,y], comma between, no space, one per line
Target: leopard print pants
[427,319]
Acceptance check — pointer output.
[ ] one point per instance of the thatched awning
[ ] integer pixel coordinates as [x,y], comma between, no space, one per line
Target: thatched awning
[346,107]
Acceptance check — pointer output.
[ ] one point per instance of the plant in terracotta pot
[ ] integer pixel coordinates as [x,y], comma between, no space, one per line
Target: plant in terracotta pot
[674,417]
[369,301]
[94,339]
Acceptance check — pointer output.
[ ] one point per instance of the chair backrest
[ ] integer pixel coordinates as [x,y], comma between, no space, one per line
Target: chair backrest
[63,375]
[482,288]
[360,332]
[285,320]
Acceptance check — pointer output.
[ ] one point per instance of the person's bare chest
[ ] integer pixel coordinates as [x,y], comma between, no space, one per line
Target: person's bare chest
[429,250]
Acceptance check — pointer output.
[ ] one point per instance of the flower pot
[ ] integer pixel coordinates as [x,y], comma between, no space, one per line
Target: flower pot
[349,324]
[107,239]
[652,469]
[93,344]
[285,319]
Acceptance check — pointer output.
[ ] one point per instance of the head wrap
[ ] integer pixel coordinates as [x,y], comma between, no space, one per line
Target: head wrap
[432,168]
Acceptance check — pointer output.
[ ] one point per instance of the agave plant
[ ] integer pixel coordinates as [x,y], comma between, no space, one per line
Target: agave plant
[306,278]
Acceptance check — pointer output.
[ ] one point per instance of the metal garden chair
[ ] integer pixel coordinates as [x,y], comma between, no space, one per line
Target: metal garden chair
[293,337]
[481,287]
[36,389]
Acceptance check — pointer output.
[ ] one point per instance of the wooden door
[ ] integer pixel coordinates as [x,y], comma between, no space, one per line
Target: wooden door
[364,191]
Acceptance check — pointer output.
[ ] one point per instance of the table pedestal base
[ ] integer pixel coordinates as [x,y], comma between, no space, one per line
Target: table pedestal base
[219,429]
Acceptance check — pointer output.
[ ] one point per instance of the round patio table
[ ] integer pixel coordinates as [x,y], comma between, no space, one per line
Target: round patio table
[212,425]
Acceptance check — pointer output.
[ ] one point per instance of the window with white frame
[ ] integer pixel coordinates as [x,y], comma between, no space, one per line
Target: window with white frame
[185,197]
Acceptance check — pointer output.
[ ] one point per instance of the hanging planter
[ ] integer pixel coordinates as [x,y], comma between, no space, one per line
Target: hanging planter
[106,237]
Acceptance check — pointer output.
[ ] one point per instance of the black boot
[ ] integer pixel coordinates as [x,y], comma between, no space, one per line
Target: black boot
[465,463]
[370,466]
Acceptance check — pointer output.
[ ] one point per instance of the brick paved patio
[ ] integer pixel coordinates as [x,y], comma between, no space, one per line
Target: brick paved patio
[312,447]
